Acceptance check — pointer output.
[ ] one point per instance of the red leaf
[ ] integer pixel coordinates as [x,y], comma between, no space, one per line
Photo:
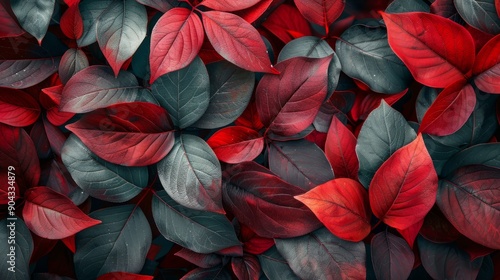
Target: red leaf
[228,5]
[473,249]
[321,12]
[250,117]
[71,23]
[124,276]
[411,233]
[70,243]
[9,25]
[342,206]
[252,243]
[246,267]
[237,41]
[436,50]
[17,108]
[288,103]
[340,150]
[236,144]
[133,134]
[437,228]
[50,98]
[404,188]
[368,101]
[176,39]
[487,67]
[52,215]
[284,19]
[251,14]
[449,112]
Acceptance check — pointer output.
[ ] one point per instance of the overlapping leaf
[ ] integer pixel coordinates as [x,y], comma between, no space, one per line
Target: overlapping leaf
[17,108]
[72,23]
[34,15]
[228,5]
[90,11]
[71,62]
[321,12]
[481,14]
[10,28]
[392,258]
[487,67]
[287,19]
[236,144]
[340,150]
[275,266]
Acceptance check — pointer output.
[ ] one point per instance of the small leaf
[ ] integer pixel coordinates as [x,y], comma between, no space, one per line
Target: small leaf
[246,267]
[342,206]
[176,39]
[71,23]
[237,41]
[321,255]
[404,188]
[228,5]
[15,263]
[52,215]
[17,108]
[119,243]
[132,134]
[71,62]
[199,231]
[191,174]
[391,256]
[340,150]
[323,13]
[34,15]
[236,144]
[447,47]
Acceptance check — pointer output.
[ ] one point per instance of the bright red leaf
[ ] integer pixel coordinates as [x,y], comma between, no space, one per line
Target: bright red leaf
[404,188]
[237,41]
[236,144]
[288,103]
[340,149]
[50,98]
[449,112]
[411,233]
[487,67]
[342,206]
[52,215]
[17,108]
[284,19]
[72,23]
[133,134]
[124,276]
[228,5]
[321,12]
[176,39]
[436,50]
[251,14]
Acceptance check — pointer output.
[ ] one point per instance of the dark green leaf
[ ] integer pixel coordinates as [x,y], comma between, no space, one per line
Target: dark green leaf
[91,10]
[230,92]
[481,14]
[119,243]
[15,235]
[275,266]
[482,154]
[404,6]
[99,178]
[184,93]
[34,15]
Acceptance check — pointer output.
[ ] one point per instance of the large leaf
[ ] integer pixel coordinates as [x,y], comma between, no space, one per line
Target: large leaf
[230,91]
[185,93]
[481,14]
[384,131]
[450,110]
[365,54]
[404,188]
[322,255]
[191,174]
[176,39]
[71,62]
[236,144]
[447,261]
[133,134]
[264,202]
[90,11]
[473,189]
[300,163]
[120,31]
[288,103]
[15,263]
[391,256]
[237,41]
[34,15]
[199,231]
[321,12]
[487,154]
[342,206]
[52,215]
[17,108]
[340,150]
[99,178]
[487,67]
[120,243]
[96,87]
[275,266]
[228,5]
[23,73]
[445,46]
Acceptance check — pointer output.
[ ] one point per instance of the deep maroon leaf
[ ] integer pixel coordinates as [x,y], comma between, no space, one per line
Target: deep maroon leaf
[176,39]
[437,228]
[300,163]
[228,5]
[124,276]
[237,41]
[340,150]
[447,9]
[284,19]
[342,206]
[236,144]
[473,189]
[71,62]
[10,28]
[404,188]
[264,203]
[391,256]
[72,23]
[450,110]
[17,108]
[321,255]
[246,267]
[52,215]
[133,134]
[487,67]
[288,103]
[446,46]
[33,15]
[481,14]
[96,87]
[120,31]
[191,174]
[321,12]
